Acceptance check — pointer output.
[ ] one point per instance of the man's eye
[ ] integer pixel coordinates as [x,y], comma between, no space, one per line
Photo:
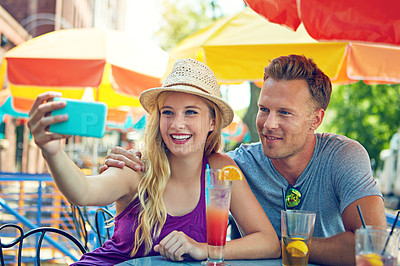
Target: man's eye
[285,113]
[263,109]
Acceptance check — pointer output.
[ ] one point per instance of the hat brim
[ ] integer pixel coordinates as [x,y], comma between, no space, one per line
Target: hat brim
[148,100]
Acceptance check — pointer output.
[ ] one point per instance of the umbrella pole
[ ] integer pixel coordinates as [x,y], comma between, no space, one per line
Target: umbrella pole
[95,155]
[398,157]
[95,142]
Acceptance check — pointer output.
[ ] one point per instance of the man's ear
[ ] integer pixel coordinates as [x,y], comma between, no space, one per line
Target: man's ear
[316,119]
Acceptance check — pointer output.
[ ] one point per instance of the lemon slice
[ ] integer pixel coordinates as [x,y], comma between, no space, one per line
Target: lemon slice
[373,259]
[230,172]
[297,248]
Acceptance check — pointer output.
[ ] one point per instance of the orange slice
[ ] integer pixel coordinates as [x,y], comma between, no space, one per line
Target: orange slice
[373,259]
[230,172]
[297,248]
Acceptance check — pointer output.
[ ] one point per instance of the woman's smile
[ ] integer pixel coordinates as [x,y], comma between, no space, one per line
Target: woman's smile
[180,138]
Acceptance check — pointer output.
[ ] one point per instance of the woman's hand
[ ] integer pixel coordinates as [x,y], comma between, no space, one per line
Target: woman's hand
[40,119]
[119,157]
[176,245]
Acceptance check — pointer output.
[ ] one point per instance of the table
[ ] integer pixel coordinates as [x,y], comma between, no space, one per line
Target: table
[160,261]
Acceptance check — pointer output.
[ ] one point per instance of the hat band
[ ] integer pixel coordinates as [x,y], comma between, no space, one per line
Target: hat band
[186,84]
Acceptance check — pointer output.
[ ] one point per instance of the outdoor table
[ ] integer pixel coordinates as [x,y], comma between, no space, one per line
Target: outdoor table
[160,261]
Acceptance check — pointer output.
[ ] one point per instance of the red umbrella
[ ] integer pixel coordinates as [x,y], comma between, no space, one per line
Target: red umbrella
[355,20]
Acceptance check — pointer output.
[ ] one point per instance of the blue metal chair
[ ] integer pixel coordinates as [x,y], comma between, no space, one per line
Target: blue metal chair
[80,218]
[42,230]
[235,231]
[100,222]
[104,224]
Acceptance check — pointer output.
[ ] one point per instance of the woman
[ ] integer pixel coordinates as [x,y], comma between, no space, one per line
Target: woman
[162,211]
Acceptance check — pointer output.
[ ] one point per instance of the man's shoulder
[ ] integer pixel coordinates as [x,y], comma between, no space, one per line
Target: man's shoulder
[335,140]
[340,152]
[330,136]
[250,148]
[248,153]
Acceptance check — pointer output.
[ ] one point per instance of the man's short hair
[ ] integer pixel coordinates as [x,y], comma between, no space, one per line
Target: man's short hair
[293,67]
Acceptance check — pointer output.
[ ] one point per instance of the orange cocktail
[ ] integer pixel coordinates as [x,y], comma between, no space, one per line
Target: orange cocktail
[377,246]
[296,230]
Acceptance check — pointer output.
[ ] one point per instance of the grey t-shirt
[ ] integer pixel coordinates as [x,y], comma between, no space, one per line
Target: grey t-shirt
[338,174]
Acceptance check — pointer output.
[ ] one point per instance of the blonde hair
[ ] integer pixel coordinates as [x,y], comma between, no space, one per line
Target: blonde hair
[153,214]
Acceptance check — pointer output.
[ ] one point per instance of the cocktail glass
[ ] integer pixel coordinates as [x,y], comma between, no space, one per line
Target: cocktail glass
[296,229]
[374,247]
[218,197]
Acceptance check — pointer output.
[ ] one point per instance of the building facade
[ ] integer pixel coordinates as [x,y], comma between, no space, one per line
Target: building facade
[21,20]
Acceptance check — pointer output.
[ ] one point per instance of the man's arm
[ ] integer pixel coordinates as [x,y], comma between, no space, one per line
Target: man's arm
[340,249]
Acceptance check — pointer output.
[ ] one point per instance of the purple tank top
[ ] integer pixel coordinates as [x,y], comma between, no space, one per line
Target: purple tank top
[118,248]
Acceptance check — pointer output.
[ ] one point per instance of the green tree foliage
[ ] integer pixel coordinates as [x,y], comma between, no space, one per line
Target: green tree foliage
[250,117]
[181,18]
[369,114]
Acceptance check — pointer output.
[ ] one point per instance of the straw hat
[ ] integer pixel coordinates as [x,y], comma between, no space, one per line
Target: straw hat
[190,76]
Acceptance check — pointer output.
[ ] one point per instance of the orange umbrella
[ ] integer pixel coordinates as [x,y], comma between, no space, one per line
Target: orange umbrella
[355,20]
[110,66]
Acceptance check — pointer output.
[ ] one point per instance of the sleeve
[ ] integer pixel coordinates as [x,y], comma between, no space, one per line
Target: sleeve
[353,178]
[247,157]
[239,155]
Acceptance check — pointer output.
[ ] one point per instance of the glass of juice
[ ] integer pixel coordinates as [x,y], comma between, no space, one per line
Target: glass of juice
[296,229]
[374,247]
[218,197]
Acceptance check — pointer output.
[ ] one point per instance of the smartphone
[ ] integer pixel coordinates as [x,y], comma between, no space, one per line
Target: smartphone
[86,119]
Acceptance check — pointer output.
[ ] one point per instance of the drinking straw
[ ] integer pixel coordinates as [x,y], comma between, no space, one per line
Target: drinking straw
[361,216]
[283,197]
[208,175]
[363,223]
[391,232]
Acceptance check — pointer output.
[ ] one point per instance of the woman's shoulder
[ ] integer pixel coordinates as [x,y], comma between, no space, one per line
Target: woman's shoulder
[219,160]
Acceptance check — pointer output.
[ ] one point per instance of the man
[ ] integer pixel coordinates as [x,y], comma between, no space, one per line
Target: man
[325,173]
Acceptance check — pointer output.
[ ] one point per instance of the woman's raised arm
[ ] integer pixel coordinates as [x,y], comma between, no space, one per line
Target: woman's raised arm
[103,189]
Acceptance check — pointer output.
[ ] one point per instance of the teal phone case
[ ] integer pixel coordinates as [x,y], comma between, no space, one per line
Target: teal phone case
[86,119]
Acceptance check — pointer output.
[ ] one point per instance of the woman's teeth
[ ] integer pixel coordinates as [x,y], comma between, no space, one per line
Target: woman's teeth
[180,137]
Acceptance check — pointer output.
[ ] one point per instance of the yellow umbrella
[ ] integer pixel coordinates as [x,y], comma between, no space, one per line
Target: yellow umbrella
[113,65]
[238,47]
